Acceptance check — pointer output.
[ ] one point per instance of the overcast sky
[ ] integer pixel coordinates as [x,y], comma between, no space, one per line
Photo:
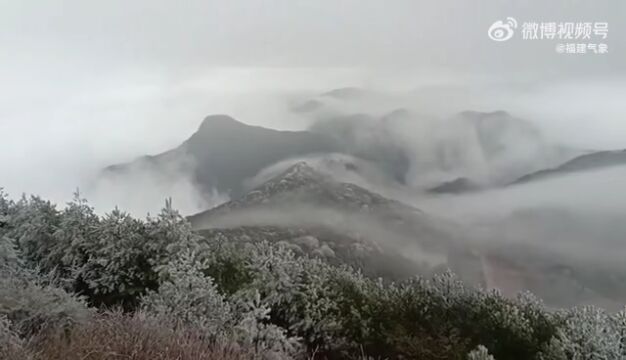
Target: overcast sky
[86,83]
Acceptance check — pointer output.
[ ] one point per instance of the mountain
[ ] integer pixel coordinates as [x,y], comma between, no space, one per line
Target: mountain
[559,254]
[302,184]
[343,222]
[369,138]
[312,213]
[456,186]
[590,161]
[313,208]
[489,149]
[307,106]
[470,151]
[224,152]
[347,93]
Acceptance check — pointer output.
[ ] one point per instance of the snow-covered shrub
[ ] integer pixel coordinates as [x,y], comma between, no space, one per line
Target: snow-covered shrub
[510,329]
[11,346]
[188,296]
[136,336]
[6,208]
[265,297]
[170,231]
[32,225]
[120,267]
[407,320]
[442,318]
[254,331]
[74,235]
[480,353]
[297,289]
[33,304]
[8,253]
[126,255]
[227,264]
[619,321]
[338,310]
[7,244]
[588,333]
[331,308]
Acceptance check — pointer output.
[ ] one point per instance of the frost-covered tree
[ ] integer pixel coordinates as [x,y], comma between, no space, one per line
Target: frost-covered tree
[119,267]
[6,207]
[171,232]
[266,296]
[74,235]
[588,333]
[255,331]
[8,253]
[32,225]
[298,289]
[619,321]
[34,303]
[126,255]
[188,296]
[312,299]
[480,353]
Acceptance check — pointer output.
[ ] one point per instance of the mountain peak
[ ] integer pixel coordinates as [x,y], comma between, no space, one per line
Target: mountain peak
[219,121]
[218,126]
[481,114]
[301,185]
[300,170]
[345,93]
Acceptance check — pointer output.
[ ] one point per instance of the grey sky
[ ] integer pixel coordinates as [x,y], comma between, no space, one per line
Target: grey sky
[194,34]
[87,83]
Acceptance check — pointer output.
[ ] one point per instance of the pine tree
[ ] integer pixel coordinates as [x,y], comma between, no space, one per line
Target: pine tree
[32,225]
[188,296]
[119,266]
[480,353]
[6,207]
[75,233]
[254,330]
[588,333]
[8,253]
[170,234]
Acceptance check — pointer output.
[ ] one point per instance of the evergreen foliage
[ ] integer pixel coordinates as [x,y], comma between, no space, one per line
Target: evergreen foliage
[267,299]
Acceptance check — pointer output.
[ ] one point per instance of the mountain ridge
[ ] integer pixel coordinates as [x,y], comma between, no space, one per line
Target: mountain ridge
[586,162]
[223,152]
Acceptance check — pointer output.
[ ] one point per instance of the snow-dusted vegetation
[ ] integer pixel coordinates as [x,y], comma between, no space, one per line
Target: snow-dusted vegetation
[75,285]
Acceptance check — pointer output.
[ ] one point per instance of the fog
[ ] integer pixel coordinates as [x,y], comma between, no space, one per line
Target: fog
[88,85]
[54,147]
[579,215]
[367,228]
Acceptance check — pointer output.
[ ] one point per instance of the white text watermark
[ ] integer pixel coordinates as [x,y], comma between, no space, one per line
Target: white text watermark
[569,37]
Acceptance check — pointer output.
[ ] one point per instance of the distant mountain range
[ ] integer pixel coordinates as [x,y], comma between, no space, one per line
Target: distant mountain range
[343,223]
[277,196]
[590,161]
[338,221]
[224,152]
[484,151]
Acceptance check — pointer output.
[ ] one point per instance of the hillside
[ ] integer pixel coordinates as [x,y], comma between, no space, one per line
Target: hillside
[591,161]
[342,222]
[223,152]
